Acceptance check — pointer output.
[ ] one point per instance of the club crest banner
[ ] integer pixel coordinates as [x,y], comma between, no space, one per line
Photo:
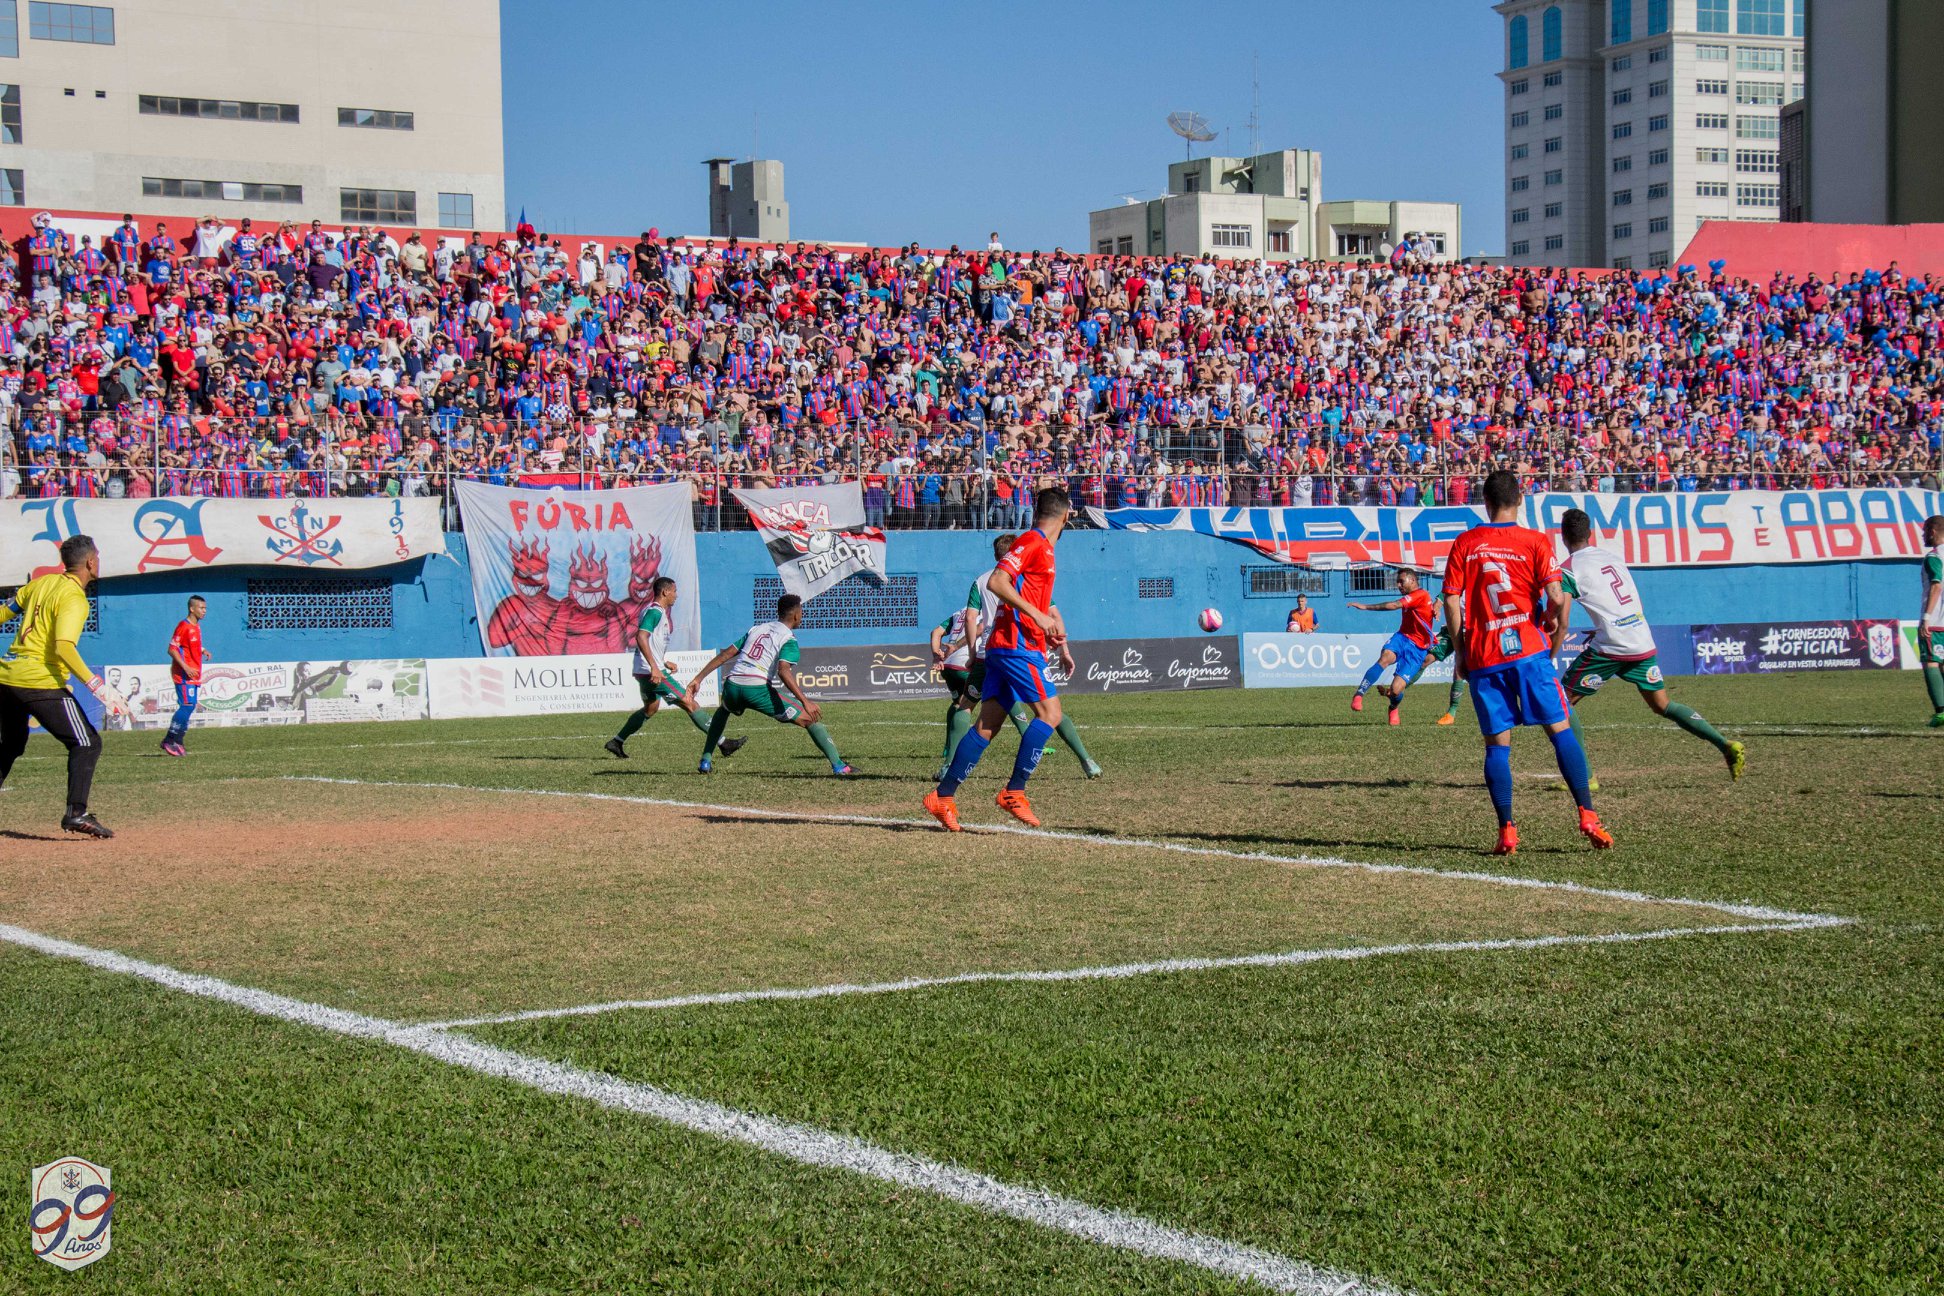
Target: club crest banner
[137,537]
[815,535]
[1704,529]
[557,574]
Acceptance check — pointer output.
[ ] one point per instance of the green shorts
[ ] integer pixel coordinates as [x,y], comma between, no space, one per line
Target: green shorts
[1591,669]
[651,692]
[1930,647]
[1441,648]
[764,698]
[958,682]
[975,679]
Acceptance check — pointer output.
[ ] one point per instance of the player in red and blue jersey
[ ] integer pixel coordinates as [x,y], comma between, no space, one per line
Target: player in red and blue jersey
[1501,579]
[1407,648]
[186,658]
[1025,627]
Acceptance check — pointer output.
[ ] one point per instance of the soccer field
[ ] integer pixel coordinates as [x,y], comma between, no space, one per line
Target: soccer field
[472,1006]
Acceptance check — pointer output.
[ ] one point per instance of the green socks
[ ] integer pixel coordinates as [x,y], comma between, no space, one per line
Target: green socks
[701,719]
[718,721]
[1071,737]
[1934,681]
[1021,715]
[957,721]
[1684,716]
[632,725]
[821,736]
[1458,695]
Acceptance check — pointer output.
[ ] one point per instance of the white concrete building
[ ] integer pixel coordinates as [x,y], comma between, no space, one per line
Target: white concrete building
[746,200]
[340,110]
[1630,122]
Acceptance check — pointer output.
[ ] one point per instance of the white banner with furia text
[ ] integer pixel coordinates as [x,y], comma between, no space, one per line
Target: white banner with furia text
[136,537]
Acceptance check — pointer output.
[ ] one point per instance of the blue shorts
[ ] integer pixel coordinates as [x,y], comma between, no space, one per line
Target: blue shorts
[186,694]
[1524,692]
[1410,655]
[1012,676]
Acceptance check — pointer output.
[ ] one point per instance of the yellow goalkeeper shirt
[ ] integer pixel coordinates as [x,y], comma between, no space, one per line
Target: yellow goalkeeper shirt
[53,610]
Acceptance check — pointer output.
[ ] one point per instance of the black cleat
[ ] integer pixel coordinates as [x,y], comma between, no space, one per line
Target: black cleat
[85,824]
[616,749]
[730,746]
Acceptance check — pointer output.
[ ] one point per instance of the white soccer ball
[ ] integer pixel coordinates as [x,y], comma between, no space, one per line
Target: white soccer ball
[1210,620]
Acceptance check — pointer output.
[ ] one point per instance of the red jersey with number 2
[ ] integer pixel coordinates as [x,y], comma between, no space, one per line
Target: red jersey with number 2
[1501,570]
[187,641]
[1029,566]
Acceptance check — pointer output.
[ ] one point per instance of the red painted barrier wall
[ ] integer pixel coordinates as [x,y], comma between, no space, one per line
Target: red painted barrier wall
[1756,251]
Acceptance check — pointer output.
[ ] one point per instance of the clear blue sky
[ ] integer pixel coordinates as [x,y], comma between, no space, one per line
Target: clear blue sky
[938,122]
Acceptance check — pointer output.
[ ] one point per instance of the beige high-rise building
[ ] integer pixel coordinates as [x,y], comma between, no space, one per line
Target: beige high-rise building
[341,110]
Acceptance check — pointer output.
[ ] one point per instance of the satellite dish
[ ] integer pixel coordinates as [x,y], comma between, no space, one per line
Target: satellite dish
[1192,127]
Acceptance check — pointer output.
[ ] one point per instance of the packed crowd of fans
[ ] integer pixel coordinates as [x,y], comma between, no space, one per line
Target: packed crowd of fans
[293,360]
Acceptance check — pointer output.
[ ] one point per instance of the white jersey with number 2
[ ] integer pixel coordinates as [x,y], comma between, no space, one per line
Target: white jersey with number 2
[1605,588]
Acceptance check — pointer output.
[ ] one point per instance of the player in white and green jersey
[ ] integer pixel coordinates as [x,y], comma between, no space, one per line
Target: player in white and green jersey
[1930,618]
[1623,644]
[951,655]
[652,674]
[981,610]
[759,662]
[1441,648]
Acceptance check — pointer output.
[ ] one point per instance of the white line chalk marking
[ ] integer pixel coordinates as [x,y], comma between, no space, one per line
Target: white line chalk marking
[800,1143]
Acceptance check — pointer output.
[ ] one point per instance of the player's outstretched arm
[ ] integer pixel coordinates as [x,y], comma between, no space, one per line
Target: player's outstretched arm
[715,664]
[1392,606]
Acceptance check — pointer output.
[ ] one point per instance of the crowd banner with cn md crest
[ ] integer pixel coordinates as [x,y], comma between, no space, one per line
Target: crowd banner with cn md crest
[137,537]
[560,574]
[1703,529]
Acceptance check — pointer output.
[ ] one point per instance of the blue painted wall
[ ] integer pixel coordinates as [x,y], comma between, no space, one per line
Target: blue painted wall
[1099,581]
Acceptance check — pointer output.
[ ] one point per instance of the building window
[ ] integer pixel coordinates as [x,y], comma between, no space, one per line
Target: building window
[1657,190]
[1657,55]
[1515,40]
[1755,58]
[1622,130]
[1554,242]
[382,206]
[1711,189]
[1757,195]
[13,187]
[221,190]
[9,114]
[1622,63]
[1105,247]
[1520,215]
[1518,119]
[1766,161]
[1624,96]
[1519,87]
[1622,21]
[215,109]
[1796,61]
[1356,244]
[1623,164]
[1231,236]
[1521,183]
[1711,86]
[1658,122]
[1765,128]
[1519,151]
[1658,259]
[1522,247]
[1766,94]
[9,29]
[1555,144]
[1555,210]
[1552,79]
[455,211]
[1623,197]
[1759,18]
[1555,111]
[80,24]
[1711,17]
[1711,121]
[1711,156]
[1550,33]
[1623,263]
[1657,157]
[1555,177]
[1279,241]
[1657,89]
[1124,245]
[1657,225]
[375,118]
[1623,231]
[1656,17]
[1710,53]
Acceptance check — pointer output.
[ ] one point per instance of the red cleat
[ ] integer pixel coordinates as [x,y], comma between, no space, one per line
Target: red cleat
[1394,717]
[1016,805]
[944,809]
[1356,701]
[1508,842]
[1595,831]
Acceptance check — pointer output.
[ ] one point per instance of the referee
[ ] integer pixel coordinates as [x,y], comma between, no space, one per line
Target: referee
[35,670]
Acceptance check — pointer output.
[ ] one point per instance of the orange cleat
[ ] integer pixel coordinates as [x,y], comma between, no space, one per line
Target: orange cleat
[1356,701]
[1394,717]
[1595,831]
[1508,842]
[1447,718]
[944,809]
[1016,805]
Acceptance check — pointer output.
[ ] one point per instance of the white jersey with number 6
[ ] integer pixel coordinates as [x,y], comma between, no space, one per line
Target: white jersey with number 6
[762,647]
[1599,579]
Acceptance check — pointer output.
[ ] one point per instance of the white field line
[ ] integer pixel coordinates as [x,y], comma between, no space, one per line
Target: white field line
[1115,971]
[800,1143]
[1771,727]
[1752,912]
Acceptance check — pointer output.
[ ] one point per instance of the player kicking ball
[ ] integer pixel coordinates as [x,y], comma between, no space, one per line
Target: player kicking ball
[1623,645]
[1442,648]
[652,675]
[1404,650]
[1499,579]
[766,654]
[1024,627]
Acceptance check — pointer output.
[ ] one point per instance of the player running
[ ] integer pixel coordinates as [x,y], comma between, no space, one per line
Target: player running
[186,660]
[1495,580]
[652,675]
[1406,649]
[1015,665]
[1930,620]
[766,653]
[1442,648]
[1623,645]
[36,669]
[951,652]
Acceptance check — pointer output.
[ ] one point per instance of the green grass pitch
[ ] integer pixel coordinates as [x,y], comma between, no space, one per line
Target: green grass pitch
[1583,1105]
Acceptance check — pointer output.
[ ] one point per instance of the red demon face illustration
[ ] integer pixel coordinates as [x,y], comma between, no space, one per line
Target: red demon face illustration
[529,566]
[587,578]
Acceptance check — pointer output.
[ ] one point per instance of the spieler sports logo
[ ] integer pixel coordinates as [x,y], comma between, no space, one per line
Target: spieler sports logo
[73,1205]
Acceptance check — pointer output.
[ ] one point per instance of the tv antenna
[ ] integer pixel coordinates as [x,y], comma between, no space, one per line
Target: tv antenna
[1193,129]
[1255,99]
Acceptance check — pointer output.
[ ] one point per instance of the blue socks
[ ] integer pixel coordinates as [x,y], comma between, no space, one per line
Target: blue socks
[1372,675]
[1572,766]
[964,757]
[1498,778]
[179,724]
[1032,745]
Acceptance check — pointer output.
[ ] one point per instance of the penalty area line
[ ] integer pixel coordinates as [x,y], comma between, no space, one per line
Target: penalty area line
[803,1144]
[1751,912]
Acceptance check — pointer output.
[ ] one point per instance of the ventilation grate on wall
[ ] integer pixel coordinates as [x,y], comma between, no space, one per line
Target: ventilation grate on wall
[1155,587]
[1371,580]
[94,610]
[318,603]
[1281,582]
[851,604]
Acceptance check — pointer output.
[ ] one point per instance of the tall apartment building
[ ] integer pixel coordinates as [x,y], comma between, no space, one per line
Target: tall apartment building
[360,111]
[1628,123]
[1873,125]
